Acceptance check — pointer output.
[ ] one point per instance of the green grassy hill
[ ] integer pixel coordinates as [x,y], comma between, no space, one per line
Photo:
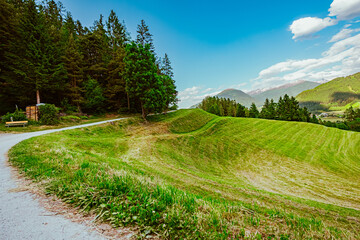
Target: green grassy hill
[336,95]
[289,89]
[237,95]
[190,174]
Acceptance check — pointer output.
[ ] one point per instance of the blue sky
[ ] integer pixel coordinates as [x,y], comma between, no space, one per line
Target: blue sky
[248,45]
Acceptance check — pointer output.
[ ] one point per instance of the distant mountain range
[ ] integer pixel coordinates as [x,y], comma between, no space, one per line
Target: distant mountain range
[237,95]
[258,96]
[292,89]
[335,95]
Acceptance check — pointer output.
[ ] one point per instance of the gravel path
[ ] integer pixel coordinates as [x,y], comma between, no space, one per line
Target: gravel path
[21,216]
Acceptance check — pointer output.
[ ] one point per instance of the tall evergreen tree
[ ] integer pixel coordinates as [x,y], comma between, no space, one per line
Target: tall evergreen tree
[115,88]
[168,80]
[268,110]
[240,110]
[8,37]
[38,68]
[94,47]
[56,73]
[142,82]
[166,67]
[253,111]
[72,61]
[118,35]
[144,36]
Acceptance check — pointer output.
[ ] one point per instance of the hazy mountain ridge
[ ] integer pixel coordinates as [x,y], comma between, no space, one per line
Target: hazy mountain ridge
[237,95]
[291,89]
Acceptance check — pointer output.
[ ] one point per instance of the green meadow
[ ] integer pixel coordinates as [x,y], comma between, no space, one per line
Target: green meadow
[192,175]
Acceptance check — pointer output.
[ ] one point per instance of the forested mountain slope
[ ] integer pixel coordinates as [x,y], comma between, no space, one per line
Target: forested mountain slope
[289,89]
[337,94]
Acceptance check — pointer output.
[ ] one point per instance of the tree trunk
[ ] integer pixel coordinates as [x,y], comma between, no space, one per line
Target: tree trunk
[128,101]
[79,108]
[37,96]
[143,113]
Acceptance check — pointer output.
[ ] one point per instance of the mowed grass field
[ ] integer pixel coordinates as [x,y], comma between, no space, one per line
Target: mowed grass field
[189,174]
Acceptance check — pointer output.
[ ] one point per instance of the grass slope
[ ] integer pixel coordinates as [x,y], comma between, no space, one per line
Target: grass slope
[291,90]
[336,95]
[211,178]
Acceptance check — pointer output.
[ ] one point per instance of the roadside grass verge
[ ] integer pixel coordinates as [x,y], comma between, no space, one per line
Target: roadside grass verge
[225,178]
[36,126]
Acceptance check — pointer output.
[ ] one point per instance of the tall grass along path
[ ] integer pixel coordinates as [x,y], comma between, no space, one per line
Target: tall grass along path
[21,216]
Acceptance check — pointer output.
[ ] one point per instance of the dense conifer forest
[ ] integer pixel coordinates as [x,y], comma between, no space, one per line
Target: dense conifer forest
[49,57]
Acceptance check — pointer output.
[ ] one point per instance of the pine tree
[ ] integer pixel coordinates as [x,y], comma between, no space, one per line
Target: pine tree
[169,82]
[265,110]
[166,67]
[69,28]
[115,88]
[268,109]
[144,36]
[240,111]
[253,111]
[142,82]
[72,62]
[8,38]
[272,109]
[96,53]
[118,35]
[36,46]
[55,49]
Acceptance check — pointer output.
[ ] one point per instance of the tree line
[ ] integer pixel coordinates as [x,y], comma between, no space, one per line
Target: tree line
[287,108]
[351,122]
[47,56]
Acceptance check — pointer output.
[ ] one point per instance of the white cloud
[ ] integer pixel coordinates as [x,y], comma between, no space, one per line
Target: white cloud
[341,59]
[286,66]
[339,10]
[344,33]
[342,45]
[188,92]
[344,9]
[305,27]
[193,95]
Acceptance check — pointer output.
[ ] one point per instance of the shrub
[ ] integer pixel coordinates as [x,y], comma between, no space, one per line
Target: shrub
[84,117]
[94,98]
[70,118]
[67,107]
[342,126]
[49,114]
[18,115]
